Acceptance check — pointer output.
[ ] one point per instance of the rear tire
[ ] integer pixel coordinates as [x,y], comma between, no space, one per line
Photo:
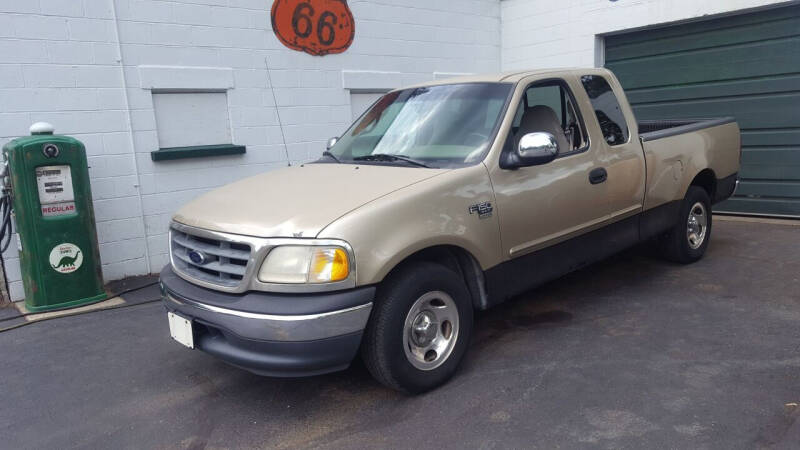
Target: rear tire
[687,240]
[419,328]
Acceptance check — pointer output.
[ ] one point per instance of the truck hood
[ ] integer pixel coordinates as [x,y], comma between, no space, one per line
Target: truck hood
[296,201]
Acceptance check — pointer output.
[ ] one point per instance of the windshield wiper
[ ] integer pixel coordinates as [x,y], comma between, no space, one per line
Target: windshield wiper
[390,157]
[331,155]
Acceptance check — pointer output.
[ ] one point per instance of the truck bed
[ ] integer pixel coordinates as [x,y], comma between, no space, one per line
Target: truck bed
[657,129]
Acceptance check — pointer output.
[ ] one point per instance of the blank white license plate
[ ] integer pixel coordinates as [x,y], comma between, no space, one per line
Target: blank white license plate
[181,329]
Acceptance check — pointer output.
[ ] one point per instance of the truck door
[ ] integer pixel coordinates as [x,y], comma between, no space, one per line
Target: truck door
[559,216]
[619,151]
[544,205]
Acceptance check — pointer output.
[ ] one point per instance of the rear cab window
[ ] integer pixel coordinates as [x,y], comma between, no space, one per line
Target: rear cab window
[606,109]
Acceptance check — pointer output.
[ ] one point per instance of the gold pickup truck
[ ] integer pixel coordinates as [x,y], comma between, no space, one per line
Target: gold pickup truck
[441,199]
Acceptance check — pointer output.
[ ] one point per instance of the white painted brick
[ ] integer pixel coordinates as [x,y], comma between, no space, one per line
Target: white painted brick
[13,125]
[145,141]
[70,52]
[111,166]
[116,187]
[111,98]
[370,79]
[23,51]
[93,142]
[138,98]
[98,9]
[105,53]
[7,25]
[117,143]
[246,116]
[120,230]
[143,119]
[157,223]
[16,291]
[83,121]
[123,269]
[158,244]
[241,58]
[11,76]
[145,11]
[96,30]
[18,6]
[40,27]
[13,271]
[118,208]
[49,76]
[119,251]
[98,76]
[66,8]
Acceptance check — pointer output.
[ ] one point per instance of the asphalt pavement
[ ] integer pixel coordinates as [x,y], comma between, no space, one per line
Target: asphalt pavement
[632,352]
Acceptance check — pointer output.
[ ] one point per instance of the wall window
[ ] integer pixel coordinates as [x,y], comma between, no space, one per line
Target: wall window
[185,119]
[607,109]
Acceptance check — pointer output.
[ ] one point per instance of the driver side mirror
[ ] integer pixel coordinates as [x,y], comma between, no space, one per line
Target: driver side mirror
[536,148]
[331,142]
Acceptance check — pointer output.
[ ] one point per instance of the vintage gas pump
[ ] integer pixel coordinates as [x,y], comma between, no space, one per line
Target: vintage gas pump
[47,179]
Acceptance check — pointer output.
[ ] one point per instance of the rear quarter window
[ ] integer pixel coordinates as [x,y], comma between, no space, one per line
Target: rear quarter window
[606,108]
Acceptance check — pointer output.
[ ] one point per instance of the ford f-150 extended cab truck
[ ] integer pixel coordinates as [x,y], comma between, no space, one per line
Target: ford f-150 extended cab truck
[441,199]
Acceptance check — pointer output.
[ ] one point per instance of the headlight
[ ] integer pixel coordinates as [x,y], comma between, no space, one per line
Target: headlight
[305,264]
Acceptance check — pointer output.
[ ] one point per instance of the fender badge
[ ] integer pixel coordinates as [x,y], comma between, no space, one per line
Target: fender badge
[482,209]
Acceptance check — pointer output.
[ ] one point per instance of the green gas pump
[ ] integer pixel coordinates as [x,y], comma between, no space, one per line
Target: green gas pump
[47,182]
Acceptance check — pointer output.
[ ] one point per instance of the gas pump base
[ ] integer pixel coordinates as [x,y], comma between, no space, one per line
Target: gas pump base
[67,304]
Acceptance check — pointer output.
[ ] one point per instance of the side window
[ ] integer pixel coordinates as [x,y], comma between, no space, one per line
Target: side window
[549,96]
[606,108]
[549,107]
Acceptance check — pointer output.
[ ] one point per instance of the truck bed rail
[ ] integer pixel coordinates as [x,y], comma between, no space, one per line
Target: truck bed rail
[657,129]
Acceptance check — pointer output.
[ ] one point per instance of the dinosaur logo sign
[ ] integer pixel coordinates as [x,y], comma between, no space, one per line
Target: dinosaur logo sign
[317,27]
[66,258]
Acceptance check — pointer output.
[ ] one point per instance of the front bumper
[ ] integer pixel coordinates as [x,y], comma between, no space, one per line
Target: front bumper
[273,334]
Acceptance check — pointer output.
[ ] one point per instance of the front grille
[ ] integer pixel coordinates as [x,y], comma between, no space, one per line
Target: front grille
[224,262]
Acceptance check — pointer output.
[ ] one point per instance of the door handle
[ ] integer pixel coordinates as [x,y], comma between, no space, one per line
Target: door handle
[598,175]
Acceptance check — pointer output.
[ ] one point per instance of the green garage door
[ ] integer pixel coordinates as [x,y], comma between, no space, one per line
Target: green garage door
[746,66]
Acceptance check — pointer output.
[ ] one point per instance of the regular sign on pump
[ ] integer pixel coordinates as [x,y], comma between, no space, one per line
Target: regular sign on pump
[56,196]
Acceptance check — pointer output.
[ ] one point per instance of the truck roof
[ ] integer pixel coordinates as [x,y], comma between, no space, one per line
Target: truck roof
[508,77]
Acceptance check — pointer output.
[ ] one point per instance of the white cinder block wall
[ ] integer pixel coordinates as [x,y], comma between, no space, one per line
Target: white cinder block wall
[546,33]
[90,67]
[60,63]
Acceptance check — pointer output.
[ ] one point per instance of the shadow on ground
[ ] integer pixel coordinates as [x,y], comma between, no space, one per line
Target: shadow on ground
[632,352]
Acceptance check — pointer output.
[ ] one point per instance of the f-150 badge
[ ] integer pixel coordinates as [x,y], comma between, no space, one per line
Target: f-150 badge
[482,209]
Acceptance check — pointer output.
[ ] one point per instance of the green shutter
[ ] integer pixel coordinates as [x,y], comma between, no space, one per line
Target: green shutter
[746,66]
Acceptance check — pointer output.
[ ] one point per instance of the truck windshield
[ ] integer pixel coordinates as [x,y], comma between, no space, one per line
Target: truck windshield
[435,126]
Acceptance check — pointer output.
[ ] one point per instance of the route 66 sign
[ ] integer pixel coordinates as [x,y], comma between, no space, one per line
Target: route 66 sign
[317,27]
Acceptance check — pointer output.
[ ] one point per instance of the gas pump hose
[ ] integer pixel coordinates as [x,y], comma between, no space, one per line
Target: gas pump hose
[5,220]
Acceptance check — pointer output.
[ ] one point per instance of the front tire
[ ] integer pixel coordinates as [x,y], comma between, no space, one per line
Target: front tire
[419,329]
[687,240]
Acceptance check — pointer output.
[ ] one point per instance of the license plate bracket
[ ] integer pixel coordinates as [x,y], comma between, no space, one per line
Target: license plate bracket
[181,329]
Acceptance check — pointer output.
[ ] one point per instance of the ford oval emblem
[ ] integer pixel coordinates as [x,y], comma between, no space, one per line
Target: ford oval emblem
[198,257]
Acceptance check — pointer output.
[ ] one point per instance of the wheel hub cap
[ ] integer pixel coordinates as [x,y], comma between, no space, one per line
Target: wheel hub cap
[696,226]
[431,330]
[423,329]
